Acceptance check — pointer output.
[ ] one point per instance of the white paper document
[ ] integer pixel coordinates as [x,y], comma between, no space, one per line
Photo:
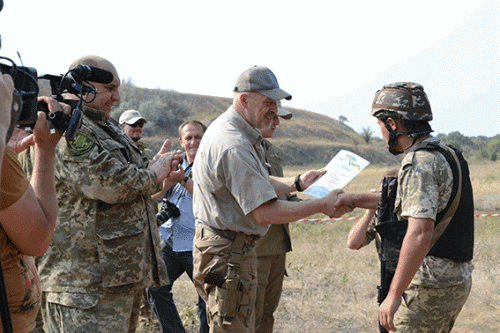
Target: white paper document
[339,172]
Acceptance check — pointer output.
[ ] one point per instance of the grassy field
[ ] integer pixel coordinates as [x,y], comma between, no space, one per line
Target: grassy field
[330,288]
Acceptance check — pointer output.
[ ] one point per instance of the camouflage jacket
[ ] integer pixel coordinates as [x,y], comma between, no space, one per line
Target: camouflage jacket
[106,233]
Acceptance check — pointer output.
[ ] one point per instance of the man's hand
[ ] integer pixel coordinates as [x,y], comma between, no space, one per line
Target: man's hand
[310,177]
[6,90]
[345,203]
[329,201]
[21,139]
[165,164]
[387,310]
[163,150]
[174,177]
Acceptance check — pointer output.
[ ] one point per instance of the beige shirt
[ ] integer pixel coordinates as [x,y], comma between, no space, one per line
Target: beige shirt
[230,179]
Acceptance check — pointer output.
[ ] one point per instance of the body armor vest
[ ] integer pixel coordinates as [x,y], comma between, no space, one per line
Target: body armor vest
[457,240]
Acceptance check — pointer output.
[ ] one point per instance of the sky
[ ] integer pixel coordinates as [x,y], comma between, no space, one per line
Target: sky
[319,50]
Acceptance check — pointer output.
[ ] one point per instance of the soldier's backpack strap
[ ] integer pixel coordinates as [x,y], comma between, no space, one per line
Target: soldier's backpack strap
[447,214]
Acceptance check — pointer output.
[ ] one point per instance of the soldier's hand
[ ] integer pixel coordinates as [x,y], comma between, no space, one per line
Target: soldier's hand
[165,164]
[387,310]
[310,177]
[163,150]
[329,201]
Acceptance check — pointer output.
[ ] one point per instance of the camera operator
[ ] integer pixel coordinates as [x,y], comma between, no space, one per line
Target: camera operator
[106,246]
[28,211]
[177,231]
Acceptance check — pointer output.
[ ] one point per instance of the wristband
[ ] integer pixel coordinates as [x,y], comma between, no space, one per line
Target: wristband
[297,183]
[184,181]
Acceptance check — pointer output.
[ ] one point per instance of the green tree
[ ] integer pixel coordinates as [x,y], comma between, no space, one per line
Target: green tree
[367,134]
[343,119]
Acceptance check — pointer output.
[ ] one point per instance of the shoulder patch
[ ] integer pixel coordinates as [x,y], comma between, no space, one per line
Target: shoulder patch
[81,144]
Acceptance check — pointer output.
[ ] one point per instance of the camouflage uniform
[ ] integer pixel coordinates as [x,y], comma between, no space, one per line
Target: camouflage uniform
[145,151]
[271,255]
[440,287]
[106,248]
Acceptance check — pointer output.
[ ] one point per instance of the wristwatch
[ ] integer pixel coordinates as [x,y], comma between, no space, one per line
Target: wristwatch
[184,181]
[297,183]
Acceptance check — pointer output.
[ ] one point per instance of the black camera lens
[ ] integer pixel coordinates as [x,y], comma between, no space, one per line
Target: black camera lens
[167,211]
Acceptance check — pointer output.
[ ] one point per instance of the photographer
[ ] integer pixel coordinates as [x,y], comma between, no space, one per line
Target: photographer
[106,247]
[27,211]
[177,231]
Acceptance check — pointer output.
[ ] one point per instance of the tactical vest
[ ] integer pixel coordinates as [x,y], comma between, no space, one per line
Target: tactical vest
[457,240]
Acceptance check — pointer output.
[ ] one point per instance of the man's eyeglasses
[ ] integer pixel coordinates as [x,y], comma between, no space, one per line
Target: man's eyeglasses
[139,123]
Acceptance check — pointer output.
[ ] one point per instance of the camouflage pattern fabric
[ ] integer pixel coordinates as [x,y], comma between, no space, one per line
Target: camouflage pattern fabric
[431,310]
[425,183]
[106,233]
[441,286]
[117,310]
[403,100]
[147,153]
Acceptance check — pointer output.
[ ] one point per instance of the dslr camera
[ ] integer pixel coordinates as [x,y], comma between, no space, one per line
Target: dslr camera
[25,105]
[167,210]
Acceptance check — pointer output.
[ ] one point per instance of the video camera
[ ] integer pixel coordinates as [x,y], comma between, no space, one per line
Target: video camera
[26,94]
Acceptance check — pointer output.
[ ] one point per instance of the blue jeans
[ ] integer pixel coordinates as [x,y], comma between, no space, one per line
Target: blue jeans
[161,298]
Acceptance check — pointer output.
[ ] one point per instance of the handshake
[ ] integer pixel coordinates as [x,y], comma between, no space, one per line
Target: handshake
[337,202]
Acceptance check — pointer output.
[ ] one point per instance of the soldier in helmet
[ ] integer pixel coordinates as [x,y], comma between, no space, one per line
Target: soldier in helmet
[430,226]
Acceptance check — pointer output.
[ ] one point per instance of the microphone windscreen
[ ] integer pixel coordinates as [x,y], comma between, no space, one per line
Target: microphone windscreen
[99,75]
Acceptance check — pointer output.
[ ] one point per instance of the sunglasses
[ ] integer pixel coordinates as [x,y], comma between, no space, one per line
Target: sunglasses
[140,124]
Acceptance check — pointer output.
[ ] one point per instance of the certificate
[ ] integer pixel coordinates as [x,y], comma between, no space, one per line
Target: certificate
[339,172]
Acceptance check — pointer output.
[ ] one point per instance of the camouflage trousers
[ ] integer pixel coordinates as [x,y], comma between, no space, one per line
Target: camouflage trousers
[211,253]
[115,311]
[431,310]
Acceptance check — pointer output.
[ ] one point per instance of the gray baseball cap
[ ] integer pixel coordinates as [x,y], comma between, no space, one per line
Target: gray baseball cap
[130,117]
[285,114]
[263,80]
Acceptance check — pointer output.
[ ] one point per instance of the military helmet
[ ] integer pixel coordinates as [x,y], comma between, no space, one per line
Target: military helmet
[402,100]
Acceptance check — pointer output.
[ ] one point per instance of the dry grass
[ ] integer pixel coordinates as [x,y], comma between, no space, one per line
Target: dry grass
[330,288]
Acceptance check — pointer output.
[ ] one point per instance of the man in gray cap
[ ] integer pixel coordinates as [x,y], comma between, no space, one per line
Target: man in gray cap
[235,200]
[132,123]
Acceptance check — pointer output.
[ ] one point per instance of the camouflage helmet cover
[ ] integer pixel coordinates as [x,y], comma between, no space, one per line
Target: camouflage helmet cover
[402,100]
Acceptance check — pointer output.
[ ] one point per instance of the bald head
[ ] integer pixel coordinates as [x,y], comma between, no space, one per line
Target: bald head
[95,61]
[108,94]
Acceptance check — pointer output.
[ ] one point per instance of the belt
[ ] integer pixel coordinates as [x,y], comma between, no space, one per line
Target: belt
[250,240]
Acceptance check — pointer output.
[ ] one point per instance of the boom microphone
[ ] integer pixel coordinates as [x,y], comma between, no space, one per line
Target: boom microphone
[89,73]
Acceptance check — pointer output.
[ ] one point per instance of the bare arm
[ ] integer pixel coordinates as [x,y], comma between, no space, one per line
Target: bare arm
[30,221]
[281,212]
[357,234]
[284,185]
[415,246]
[359,200]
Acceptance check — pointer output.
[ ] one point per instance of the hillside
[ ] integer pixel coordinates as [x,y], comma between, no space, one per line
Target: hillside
[307,139]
